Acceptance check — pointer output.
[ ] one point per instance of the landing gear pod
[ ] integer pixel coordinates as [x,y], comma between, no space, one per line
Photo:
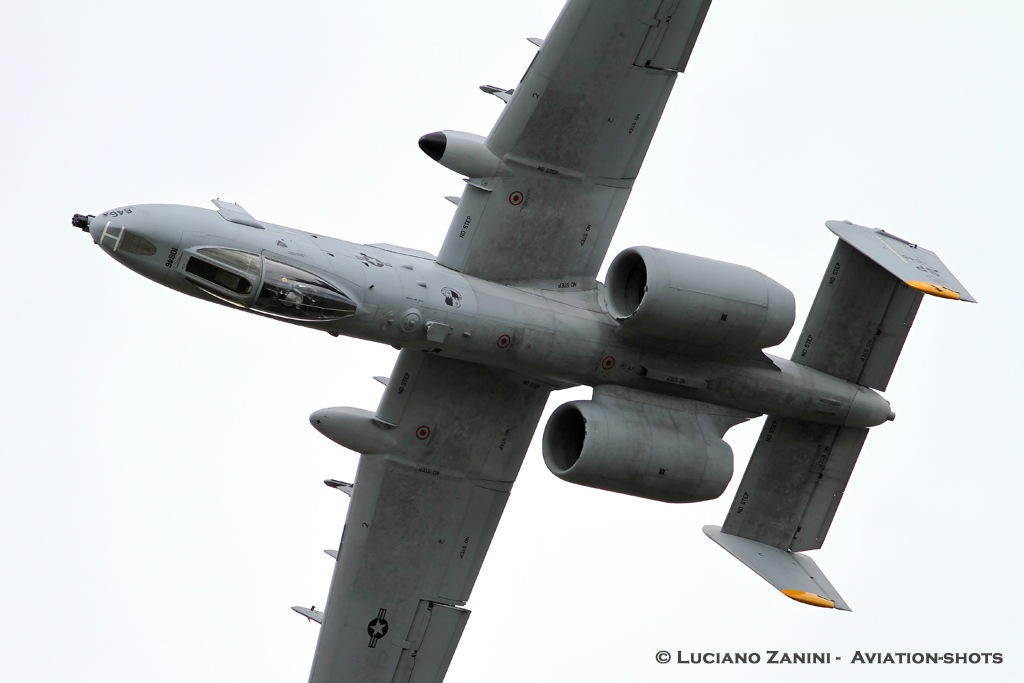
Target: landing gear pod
[463,153]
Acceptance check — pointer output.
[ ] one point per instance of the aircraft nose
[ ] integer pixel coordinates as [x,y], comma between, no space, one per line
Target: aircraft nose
[88,223]
[140,237]
[81,221]
[126,233]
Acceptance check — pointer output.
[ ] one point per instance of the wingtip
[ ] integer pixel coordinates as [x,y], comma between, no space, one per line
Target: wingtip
[809,598]
[934,290]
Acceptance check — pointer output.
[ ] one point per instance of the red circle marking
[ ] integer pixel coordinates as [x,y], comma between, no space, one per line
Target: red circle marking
[504,341]
[516,198]
[422,432]
[608,362]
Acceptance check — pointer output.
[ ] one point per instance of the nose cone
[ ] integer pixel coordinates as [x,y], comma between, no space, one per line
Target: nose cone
[434,144]
[140,237]
[125,238]
[96,228]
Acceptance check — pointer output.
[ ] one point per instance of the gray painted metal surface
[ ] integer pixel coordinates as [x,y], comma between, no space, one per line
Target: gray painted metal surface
[569,144]
[905,260]
[794,482]
[784,570]
[426,503]
[511,309]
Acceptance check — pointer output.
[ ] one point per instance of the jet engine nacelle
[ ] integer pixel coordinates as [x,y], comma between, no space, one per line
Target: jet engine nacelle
[639,449]
[697,302]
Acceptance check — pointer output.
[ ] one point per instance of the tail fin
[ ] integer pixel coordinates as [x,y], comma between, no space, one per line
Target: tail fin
[795,574]
[799,470]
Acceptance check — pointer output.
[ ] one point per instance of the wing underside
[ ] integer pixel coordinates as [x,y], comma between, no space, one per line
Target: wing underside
[568,145]
[571,141]
[421,518]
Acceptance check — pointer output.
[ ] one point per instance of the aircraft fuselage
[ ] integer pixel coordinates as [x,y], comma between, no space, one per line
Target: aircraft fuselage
[561,337]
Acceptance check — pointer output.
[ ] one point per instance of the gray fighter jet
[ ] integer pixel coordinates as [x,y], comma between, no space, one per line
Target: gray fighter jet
[511,309]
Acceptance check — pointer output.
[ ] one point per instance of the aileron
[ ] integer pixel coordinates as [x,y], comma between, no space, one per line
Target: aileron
[673,33]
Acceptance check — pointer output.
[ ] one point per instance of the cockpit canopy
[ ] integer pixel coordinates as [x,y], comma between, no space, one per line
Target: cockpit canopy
[265,285]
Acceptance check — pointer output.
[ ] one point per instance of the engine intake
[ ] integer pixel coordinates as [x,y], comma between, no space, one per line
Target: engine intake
[696,301]
[650,450]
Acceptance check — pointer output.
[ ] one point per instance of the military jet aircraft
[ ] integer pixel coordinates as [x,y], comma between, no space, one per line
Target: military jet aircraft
[510,309]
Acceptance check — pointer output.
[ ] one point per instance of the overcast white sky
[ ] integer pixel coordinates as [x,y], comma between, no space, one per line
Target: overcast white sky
[160,497]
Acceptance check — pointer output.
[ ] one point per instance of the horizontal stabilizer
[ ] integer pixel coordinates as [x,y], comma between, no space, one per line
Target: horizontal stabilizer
[332,553]
[795,574]
[913,265]
[310,614]
[867,302]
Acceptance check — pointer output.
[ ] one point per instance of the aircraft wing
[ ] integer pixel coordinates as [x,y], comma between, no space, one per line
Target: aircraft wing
[570,142]
[449,437]
[444,449]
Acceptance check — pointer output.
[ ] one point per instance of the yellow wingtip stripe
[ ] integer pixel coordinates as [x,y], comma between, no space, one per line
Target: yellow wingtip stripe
[809,598]
[933,289]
